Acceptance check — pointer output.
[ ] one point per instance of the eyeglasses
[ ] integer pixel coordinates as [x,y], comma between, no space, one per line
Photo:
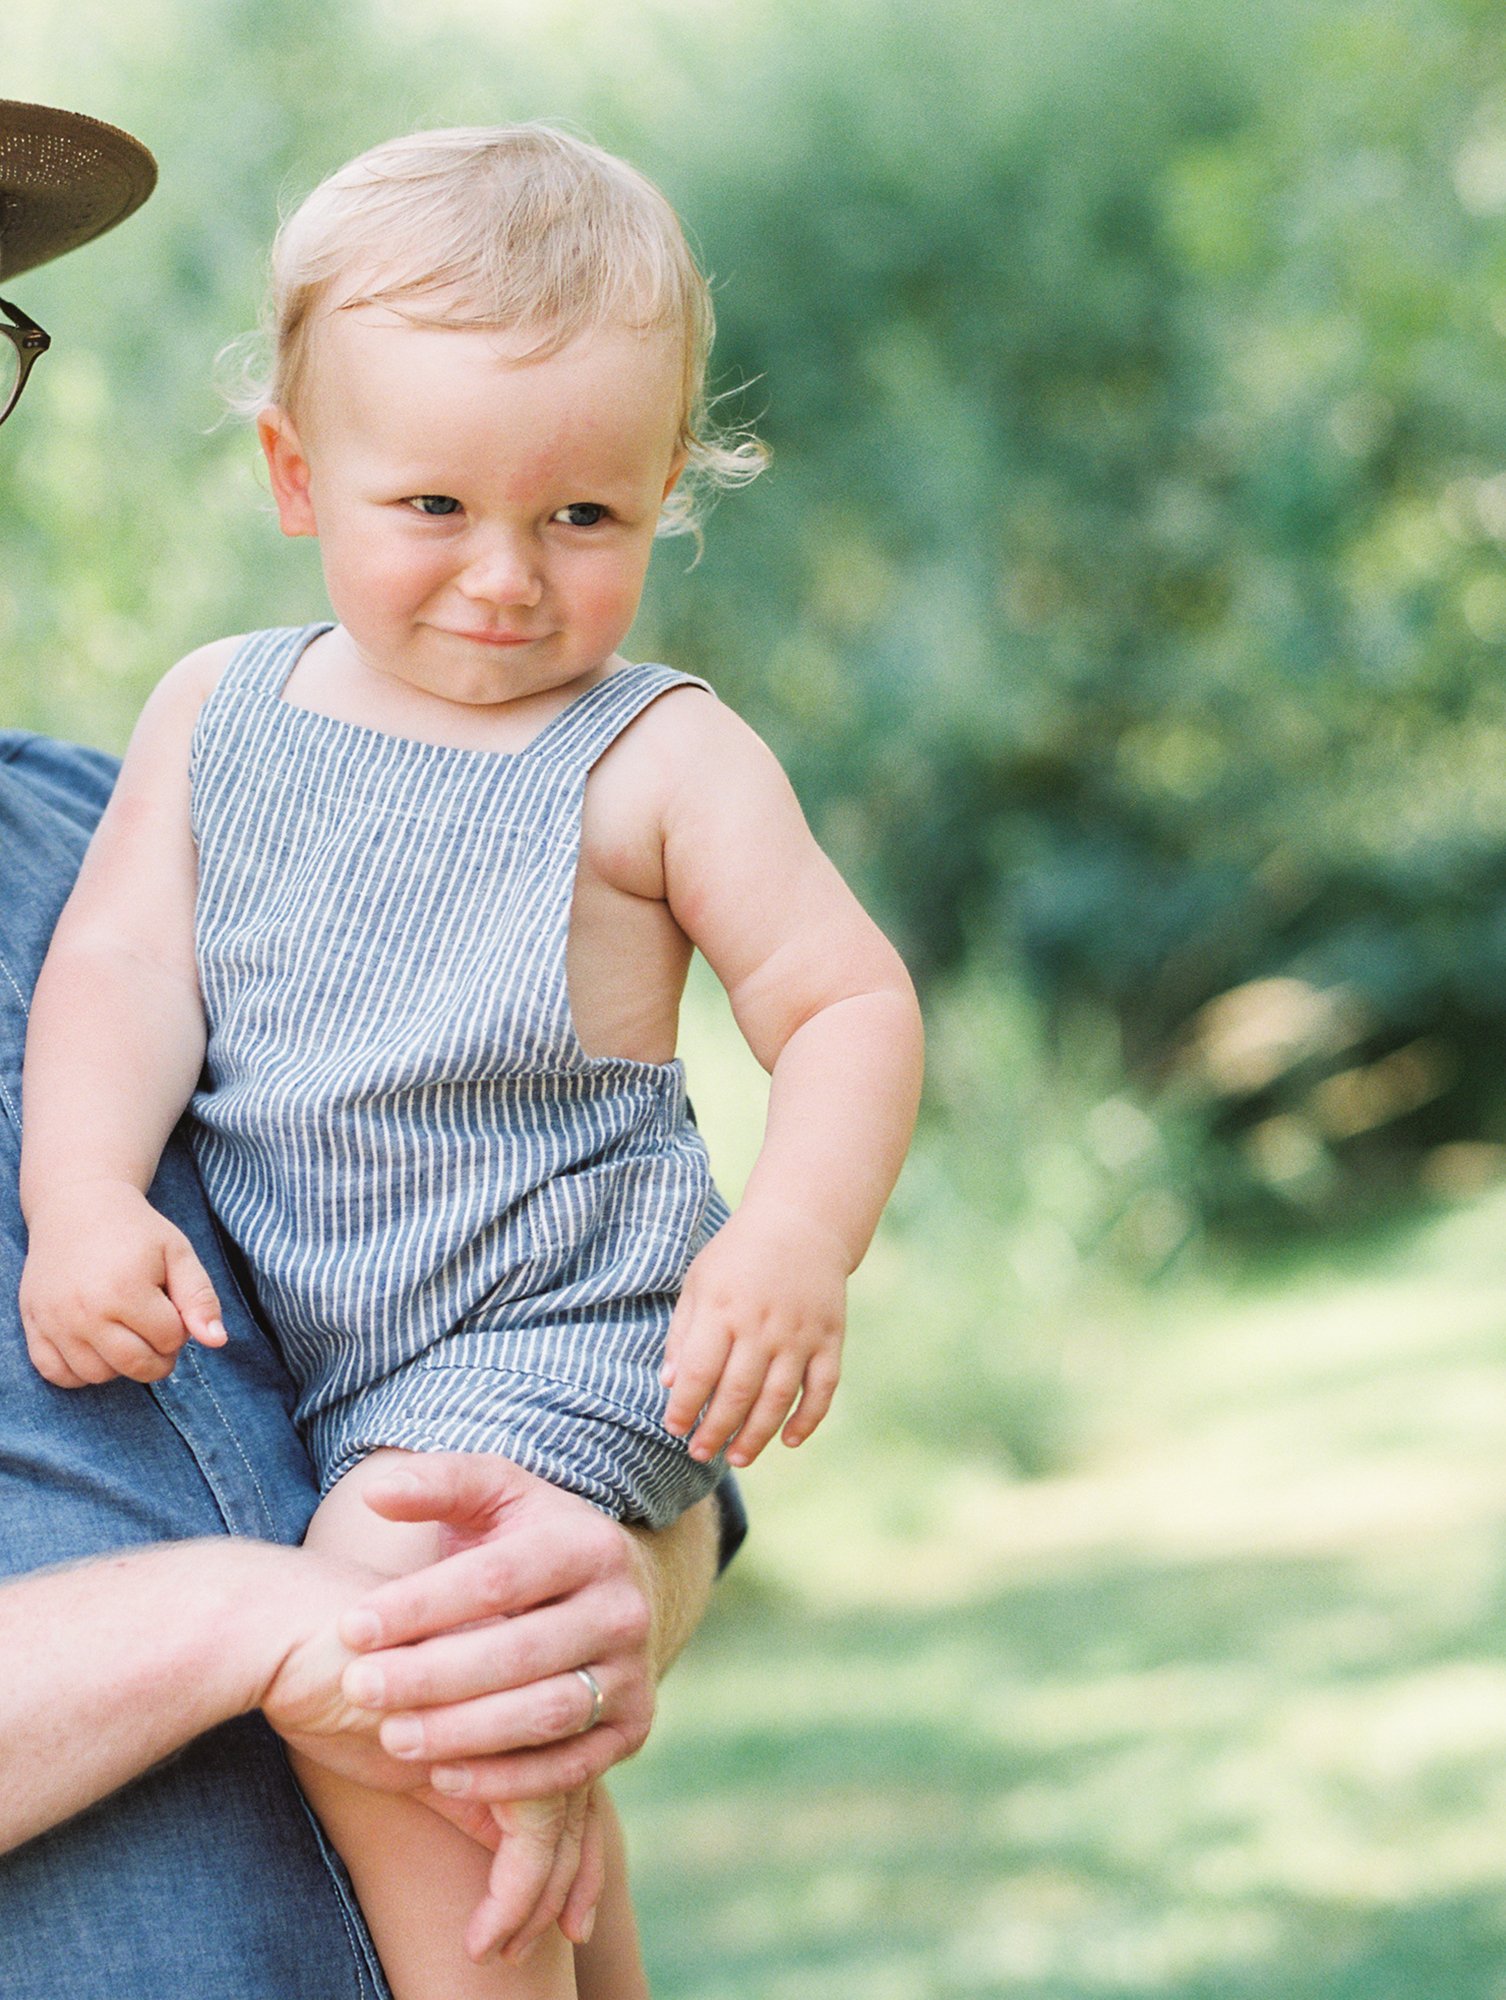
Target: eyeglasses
[20,344]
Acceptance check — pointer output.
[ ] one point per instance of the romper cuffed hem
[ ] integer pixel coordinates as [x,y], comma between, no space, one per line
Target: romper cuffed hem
[563,1431]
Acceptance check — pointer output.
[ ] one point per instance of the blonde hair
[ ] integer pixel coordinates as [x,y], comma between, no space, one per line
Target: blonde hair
[520,228]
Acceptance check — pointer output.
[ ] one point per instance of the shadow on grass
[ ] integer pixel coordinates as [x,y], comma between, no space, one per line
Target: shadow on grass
[1244,1779]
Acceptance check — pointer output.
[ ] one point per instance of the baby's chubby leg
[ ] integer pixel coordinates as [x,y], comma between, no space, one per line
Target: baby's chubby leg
[419,1878]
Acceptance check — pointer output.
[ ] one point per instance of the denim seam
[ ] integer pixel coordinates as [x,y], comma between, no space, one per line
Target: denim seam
[202,1379]
[362,1953]
[5,1097]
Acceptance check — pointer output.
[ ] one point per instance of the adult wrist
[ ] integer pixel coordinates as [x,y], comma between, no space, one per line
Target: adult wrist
[255,1606]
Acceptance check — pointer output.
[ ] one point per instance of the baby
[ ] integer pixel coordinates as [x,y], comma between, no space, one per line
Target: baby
[404,904]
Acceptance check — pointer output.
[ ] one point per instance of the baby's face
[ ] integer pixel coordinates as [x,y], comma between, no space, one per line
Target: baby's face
[485,521]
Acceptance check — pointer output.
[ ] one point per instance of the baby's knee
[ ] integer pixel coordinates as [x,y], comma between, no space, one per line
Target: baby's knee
[344,1525]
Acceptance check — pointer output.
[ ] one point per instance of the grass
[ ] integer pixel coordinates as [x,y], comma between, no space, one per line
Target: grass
[1218,1714]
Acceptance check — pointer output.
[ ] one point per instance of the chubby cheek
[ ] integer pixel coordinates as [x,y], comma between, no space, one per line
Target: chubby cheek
[367,580]
[606,598]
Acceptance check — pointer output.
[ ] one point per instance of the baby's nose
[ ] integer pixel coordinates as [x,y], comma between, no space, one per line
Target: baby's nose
[504,571]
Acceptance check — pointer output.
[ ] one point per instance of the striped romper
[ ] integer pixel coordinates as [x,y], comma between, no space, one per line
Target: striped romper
[467,1233]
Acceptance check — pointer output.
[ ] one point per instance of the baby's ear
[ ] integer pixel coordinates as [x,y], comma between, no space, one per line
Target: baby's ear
[288,469]
[677,466]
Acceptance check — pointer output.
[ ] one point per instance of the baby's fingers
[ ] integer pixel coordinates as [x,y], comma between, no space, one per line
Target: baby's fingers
[114,1349]
[189,1287]
[775,1399]
[50,1364]
[703,1355]
[735,1394]
[821,1377]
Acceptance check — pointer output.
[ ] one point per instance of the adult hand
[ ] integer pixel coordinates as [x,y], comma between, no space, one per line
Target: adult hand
[471,1666]
[543,1872]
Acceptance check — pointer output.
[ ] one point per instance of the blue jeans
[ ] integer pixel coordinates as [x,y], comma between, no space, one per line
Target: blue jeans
[208,1879]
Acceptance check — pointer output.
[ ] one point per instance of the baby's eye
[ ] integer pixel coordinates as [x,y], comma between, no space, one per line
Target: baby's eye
[582,514]
[435,505]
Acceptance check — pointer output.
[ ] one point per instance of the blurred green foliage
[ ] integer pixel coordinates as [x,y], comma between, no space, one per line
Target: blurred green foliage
[1127,598]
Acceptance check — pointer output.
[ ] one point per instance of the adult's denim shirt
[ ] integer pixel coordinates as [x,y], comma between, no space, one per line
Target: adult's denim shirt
[207,1879]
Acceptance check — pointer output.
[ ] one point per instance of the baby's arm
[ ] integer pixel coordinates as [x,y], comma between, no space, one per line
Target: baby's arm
[114,1048]
[827,1007]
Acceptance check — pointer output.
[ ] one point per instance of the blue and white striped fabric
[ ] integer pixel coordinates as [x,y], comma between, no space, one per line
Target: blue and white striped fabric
[467,1233]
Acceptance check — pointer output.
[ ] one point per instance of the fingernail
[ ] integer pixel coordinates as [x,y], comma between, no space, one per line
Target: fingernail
[403,1482]
[402,1736]
[587,1927]
[364,1683]
[360,1628]
[217,1332]
[451,1779]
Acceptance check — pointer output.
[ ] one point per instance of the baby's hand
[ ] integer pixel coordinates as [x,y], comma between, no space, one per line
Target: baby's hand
[759,1322]
[111,1288]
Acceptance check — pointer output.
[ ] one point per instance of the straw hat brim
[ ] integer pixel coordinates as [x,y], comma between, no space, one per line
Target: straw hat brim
[64,179]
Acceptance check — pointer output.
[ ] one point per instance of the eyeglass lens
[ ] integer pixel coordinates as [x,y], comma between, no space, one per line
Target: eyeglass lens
[10,371]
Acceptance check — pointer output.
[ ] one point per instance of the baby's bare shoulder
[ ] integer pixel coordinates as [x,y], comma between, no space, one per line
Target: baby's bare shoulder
[173,706]
[690,739]
[684,747]
[195,675]
[159,746]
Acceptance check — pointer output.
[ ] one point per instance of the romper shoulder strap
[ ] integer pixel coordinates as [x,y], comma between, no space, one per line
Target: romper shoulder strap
[263,661]
[255,672]
[245,694]
[581,733]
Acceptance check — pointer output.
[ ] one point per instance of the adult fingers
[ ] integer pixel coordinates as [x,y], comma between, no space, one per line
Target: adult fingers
[534,1774]
[548,1711]
[607,1625]
[465,1489]
[520,1873]
[539,1710]
[500,1579]
[497,1724]
[578,1917]
[503,1579]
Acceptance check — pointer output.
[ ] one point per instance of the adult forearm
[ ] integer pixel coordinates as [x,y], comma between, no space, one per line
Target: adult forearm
[112,1665]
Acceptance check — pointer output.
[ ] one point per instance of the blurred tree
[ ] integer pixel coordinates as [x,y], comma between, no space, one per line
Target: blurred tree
[1127,597]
